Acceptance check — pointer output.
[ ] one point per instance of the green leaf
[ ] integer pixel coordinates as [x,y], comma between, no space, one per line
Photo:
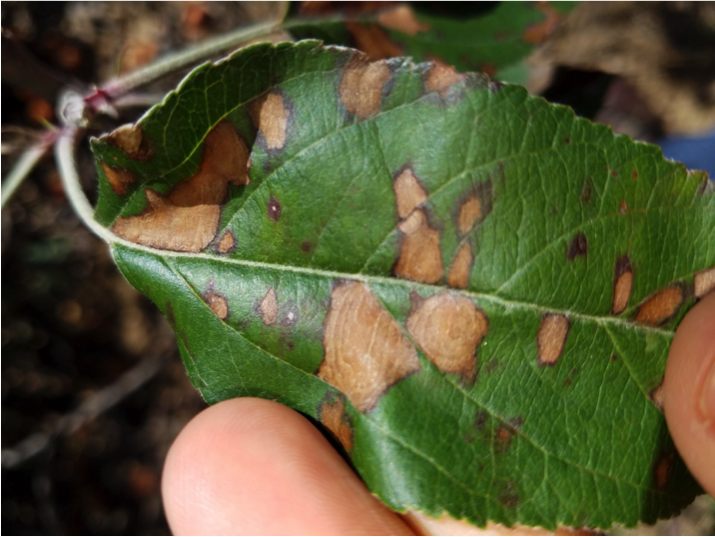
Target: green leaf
[493,41]
[473,290]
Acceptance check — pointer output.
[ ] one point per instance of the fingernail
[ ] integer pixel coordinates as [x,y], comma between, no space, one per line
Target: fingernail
[707,396]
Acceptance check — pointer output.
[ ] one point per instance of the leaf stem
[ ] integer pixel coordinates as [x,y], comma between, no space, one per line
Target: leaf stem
[178,60]
[64,155]
[24,165]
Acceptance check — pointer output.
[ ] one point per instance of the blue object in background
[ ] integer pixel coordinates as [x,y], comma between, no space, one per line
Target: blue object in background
[697,153]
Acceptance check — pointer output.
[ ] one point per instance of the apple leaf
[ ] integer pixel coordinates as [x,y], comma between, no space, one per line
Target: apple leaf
[471,289]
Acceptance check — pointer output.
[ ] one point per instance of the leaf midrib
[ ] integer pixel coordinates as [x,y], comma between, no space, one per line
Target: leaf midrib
[390,434]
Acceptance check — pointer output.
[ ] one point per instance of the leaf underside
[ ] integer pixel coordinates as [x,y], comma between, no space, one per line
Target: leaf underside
[471,289]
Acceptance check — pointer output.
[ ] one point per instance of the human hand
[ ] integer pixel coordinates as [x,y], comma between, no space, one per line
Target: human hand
[250,466]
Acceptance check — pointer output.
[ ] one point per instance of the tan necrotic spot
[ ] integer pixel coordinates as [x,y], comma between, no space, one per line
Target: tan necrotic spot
[224,160]
[270,115]
[551,338]
[420,255]
[361,86]
[622,285]
[365,350]
[118,178]
[227,243]
[186,219]
[166,227]
[130,139]
[459,271]
[441,77]
[469,212]
[704,282]
[218,304]
[408,192]
[332,415]
[448,328]
[269,307]
[661,306]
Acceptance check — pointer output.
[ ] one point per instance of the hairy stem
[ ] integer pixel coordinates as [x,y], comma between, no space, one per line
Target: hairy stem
[64,155]
[22,169]
[179,60]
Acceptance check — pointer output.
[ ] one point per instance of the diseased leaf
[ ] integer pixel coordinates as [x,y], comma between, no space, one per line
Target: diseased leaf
[489,41]
[472,289]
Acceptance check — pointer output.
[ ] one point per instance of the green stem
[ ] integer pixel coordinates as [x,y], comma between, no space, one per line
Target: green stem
[179,60]
[64,154]
[22,169]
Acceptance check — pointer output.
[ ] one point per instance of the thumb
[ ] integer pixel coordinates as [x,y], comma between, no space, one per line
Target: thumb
[689,391]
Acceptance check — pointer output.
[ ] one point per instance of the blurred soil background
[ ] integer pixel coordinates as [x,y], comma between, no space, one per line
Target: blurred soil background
[93,389]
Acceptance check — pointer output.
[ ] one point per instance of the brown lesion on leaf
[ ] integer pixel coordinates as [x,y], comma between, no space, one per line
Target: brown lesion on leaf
[402,19]
[578,247]
[441,77]
[459,271]
[361,87]
[622,284]
[409,193]
[469,213]
[502,439]
[479,420]
[365,350]
[270,115]
[167,227]
[225,160]
[269,307]
[473,206]
[657,396]
[634,174]
[227,243]
[623,206]
[662,469]
[130,139]
[217,303]
[704,282]
[448,329]
[420,254]
[118,178]
[551,338]
[332,415]
[661,306]
[186,219]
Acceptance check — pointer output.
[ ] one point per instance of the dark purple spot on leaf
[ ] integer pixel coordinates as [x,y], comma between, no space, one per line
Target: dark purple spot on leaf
[517,422]
[274,209]
[306,246]
[578,247]
[480,420]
